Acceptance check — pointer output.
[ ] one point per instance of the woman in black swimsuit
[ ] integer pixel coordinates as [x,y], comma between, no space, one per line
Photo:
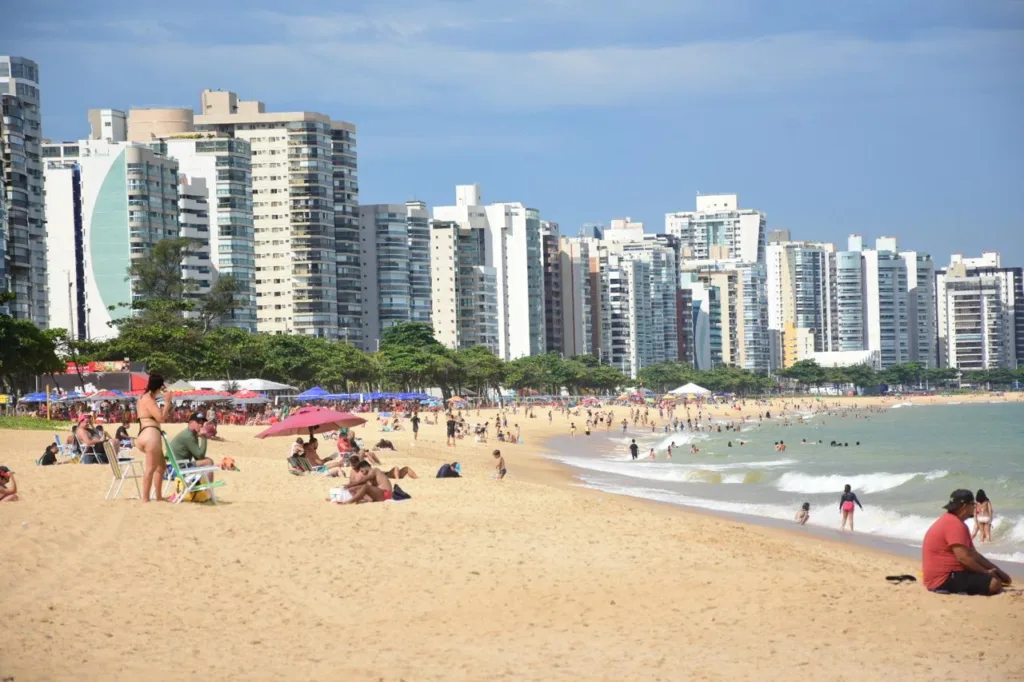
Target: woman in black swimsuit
[846,502]
[151,438]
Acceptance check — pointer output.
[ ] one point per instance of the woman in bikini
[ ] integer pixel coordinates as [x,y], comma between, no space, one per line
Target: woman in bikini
[846,506]
[983,514]
[150,439]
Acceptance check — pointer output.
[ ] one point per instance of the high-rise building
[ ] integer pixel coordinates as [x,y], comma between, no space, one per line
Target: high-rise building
[743,310]
[922,331]
[127,201]
[464,291]
[224,165]
[65,246]
[849,307]
[800,281]
[24,229]
[514,253]
[719,230]
[980,313]
[638,318]
[395,263]
[304,194]
[575,296]
[554,294]
[705,320]
[4,309]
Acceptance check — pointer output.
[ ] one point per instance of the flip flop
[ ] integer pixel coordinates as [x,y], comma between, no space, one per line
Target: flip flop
[897,579]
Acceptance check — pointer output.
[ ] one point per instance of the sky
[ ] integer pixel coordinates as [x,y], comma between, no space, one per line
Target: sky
[875,117]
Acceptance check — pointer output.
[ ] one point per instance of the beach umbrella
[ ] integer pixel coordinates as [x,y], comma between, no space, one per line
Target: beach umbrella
[33,398]
[315,393]
[311,420]
[455,399]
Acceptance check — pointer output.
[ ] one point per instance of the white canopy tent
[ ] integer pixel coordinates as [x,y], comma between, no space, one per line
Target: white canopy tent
[690,389]
[255,385]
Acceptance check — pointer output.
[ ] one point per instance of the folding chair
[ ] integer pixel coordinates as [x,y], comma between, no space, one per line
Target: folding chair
[122,468]
[193,478]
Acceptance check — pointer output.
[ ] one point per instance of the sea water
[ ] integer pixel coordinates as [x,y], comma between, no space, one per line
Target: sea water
[909,459]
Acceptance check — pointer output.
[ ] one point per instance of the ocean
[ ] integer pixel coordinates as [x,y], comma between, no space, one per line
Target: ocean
[909,459]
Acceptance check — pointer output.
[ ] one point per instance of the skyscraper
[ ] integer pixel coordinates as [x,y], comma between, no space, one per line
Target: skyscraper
[24,229]
[554,293]
[800,282]
[396,262]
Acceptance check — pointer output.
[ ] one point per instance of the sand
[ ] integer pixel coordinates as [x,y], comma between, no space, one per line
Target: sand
[472,579]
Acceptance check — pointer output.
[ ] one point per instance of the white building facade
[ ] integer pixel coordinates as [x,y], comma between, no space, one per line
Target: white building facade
[719,229]
[128,202]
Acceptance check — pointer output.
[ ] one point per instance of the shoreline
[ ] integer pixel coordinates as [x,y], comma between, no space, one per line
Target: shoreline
[882,544]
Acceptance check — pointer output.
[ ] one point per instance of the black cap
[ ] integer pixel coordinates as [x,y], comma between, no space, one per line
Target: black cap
[959,498]
[197,417]
[5,470]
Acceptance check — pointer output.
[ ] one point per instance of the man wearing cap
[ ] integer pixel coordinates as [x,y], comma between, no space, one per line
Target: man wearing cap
[190,444]
[950,562]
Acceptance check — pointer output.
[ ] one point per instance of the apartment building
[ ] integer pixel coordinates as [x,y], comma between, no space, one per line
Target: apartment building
[980,313]
[395,253]
[21,183]
[800,291]
[304,196]
[118,200]
[719,229]
[464,289]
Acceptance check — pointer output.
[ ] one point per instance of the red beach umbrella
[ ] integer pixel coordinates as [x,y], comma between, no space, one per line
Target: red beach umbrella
[312,420]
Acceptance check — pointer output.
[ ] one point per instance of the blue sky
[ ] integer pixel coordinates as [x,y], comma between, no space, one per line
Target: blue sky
[877,117]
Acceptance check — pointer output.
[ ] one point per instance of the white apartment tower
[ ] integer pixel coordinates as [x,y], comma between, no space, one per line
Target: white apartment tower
[980,313]
[112,201]
[304,199]
[513,252]
[719,229]
[23,231]
[108,124]
[194,224]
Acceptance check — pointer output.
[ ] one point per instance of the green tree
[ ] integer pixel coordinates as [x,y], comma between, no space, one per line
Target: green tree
[25,352]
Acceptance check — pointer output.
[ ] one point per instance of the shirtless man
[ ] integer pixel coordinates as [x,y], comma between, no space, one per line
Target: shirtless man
[377,486]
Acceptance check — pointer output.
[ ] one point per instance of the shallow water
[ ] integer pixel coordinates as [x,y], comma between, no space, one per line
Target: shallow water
[909,459]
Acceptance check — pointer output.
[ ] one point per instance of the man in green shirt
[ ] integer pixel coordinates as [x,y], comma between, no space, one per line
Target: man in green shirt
[190,446]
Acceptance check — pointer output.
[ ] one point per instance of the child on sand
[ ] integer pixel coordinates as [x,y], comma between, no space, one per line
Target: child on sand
[499,467]
[804,514]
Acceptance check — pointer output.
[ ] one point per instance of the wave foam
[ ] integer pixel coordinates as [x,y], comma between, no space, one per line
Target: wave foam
[796,482]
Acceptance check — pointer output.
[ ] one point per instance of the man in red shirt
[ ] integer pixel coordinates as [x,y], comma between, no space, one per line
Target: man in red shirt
[949,559]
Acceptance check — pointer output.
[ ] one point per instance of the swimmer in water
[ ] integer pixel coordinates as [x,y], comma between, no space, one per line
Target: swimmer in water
[804,514]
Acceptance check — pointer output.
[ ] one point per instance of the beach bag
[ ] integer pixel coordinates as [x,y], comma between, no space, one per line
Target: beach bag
[398,494]
[194,496]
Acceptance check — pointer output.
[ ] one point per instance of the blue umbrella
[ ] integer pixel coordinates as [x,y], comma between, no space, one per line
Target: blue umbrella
[33,398]
[315,393]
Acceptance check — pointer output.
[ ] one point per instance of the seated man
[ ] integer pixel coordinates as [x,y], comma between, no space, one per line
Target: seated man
[372,485]
[449,471]
[189,446]
[123,438]
[950,562]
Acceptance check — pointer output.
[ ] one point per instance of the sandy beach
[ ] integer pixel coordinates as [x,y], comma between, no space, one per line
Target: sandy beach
[530,578]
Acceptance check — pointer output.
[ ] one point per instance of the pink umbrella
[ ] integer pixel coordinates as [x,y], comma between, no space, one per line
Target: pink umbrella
[311,420]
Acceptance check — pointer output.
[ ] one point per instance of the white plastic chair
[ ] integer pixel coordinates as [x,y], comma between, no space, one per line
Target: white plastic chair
[123,469]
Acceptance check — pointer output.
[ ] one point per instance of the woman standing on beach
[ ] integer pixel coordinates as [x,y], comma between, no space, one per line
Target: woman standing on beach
[150,439]
[983,515]
[846,502]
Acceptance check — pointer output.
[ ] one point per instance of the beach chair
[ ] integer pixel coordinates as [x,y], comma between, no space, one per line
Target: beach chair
[193,478]
[123,468]
[63,450]
[305,466]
